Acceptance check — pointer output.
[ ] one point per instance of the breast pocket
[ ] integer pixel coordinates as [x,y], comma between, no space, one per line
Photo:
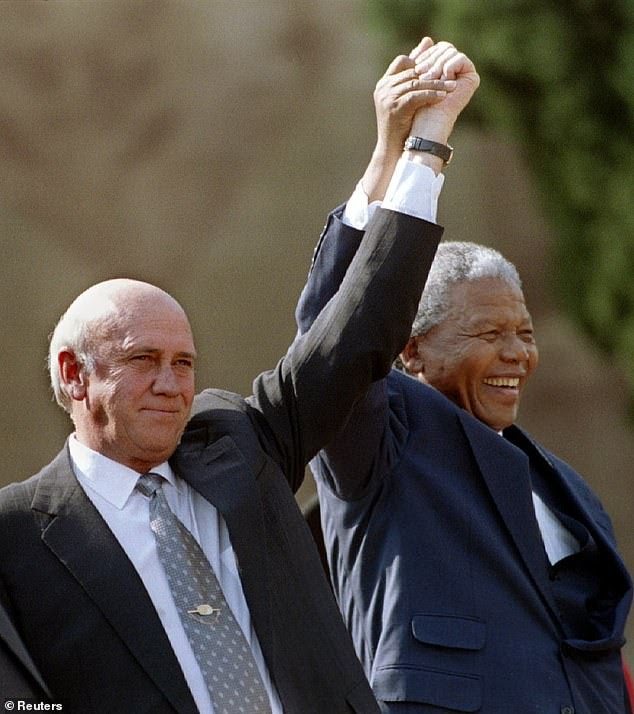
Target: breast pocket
[439,676]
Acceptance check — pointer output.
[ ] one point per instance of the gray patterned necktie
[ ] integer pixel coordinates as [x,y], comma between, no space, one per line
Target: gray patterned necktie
[223,654]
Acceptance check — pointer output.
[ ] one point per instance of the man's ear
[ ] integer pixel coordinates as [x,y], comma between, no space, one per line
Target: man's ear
[412,358]
[71,375]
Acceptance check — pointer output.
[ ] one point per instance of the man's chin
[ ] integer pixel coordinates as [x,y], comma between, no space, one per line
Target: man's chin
[498,419]
[160,450]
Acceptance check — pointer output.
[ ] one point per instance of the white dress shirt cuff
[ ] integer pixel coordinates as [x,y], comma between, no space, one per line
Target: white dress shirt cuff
[414,189]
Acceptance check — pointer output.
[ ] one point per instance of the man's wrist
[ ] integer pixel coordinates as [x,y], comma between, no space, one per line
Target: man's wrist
[427,146]
[430,128]
[380,169]
[433,162]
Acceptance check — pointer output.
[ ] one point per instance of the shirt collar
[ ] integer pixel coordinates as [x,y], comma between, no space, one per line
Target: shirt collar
[110,479]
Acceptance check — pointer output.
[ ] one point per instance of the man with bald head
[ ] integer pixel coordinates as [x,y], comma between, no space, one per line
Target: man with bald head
[132,402]
[160,563]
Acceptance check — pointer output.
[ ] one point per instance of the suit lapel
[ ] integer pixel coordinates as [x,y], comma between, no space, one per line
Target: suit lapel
[505,470]
[590,514]
[221,475]
[580,507]
[79,537]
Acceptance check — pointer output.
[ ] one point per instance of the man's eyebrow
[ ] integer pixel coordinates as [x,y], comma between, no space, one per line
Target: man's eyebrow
[132,348]
[488,324]
[482,324]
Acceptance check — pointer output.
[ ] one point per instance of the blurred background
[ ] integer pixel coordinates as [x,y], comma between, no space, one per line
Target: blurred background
[200,145]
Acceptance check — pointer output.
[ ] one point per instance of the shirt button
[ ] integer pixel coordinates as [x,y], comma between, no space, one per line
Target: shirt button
[567,710]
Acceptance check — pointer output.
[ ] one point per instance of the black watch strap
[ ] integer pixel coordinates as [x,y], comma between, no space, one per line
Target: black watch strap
[443,151]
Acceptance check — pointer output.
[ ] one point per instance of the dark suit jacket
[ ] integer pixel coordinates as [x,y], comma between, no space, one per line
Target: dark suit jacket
[19,678]
[77,600]
[436,557]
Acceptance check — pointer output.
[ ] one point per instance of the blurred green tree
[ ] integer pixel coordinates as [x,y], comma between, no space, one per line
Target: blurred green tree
[558,77]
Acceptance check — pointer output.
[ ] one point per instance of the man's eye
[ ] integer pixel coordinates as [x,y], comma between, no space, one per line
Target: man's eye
[526,335]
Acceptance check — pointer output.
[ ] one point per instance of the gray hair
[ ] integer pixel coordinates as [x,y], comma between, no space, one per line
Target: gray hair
[92,317]
[79,331]
[456,262]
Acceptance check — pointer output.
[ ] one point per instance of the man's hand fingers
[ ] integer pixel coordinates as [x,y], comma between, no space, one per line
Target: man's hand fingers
[413,101]
[430,88]
[432,60]
[397,65]
[421,47]
[411,93]
[409,80]
[458,65]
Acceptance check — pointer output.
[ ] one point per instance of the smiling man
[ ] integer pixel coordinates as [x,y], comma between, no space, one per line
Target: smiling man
[475,571]
[473,335]
[160,563]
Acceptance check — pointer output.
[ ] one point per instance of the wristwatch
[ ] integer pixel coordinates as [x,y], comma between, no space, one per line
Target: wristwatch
[443,151]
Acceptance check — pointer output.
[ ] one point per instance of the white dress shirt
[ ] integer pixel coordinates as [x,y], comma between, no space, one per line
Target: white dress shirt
[111,488]
[558,540]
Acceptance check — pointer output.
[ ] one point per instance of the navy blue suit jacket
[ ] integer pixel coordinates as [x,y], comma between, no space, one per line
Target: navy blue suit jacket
[435,554]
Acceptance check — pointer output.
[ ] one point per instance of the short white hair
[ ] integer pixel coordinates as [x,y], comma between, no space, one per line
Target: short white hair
[456,262]
[89,320]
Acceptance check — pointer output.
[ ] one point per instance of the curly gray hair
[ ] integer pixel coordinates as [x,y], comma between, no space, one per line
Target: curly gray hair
[456,262]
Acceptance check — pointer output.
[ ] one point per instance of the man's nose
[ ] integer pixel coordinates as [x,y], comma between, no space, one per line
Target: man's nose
[513,348]
[166,381]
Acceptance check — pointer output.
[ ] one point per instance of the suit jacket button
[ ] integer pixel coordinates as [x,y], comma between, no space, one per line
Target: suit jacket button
[567,710]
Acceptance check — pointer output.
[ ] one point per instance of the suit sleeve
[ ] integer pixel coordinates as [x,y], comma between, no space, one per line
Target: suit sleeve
[371,435]
[337,246]
[364,309]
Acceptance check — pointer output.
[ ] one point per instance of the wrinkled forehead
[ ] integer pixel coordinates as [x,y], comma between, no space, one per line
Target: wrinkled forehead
[150,317]
[494,298]
[133,312]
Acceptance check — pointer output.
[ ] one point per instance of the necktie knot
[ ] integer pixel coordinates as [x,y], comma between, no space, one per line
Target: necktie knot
[148,484]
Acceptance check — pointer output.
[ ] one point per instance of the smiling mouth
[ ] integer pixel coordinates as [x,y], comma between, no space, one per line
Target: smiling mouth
[506,382]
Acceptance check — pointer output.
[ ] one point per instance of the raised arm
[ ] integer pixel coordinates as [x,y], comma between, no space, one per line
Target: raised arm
[352,453]
[352,342]
[404,105]
[366,320]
